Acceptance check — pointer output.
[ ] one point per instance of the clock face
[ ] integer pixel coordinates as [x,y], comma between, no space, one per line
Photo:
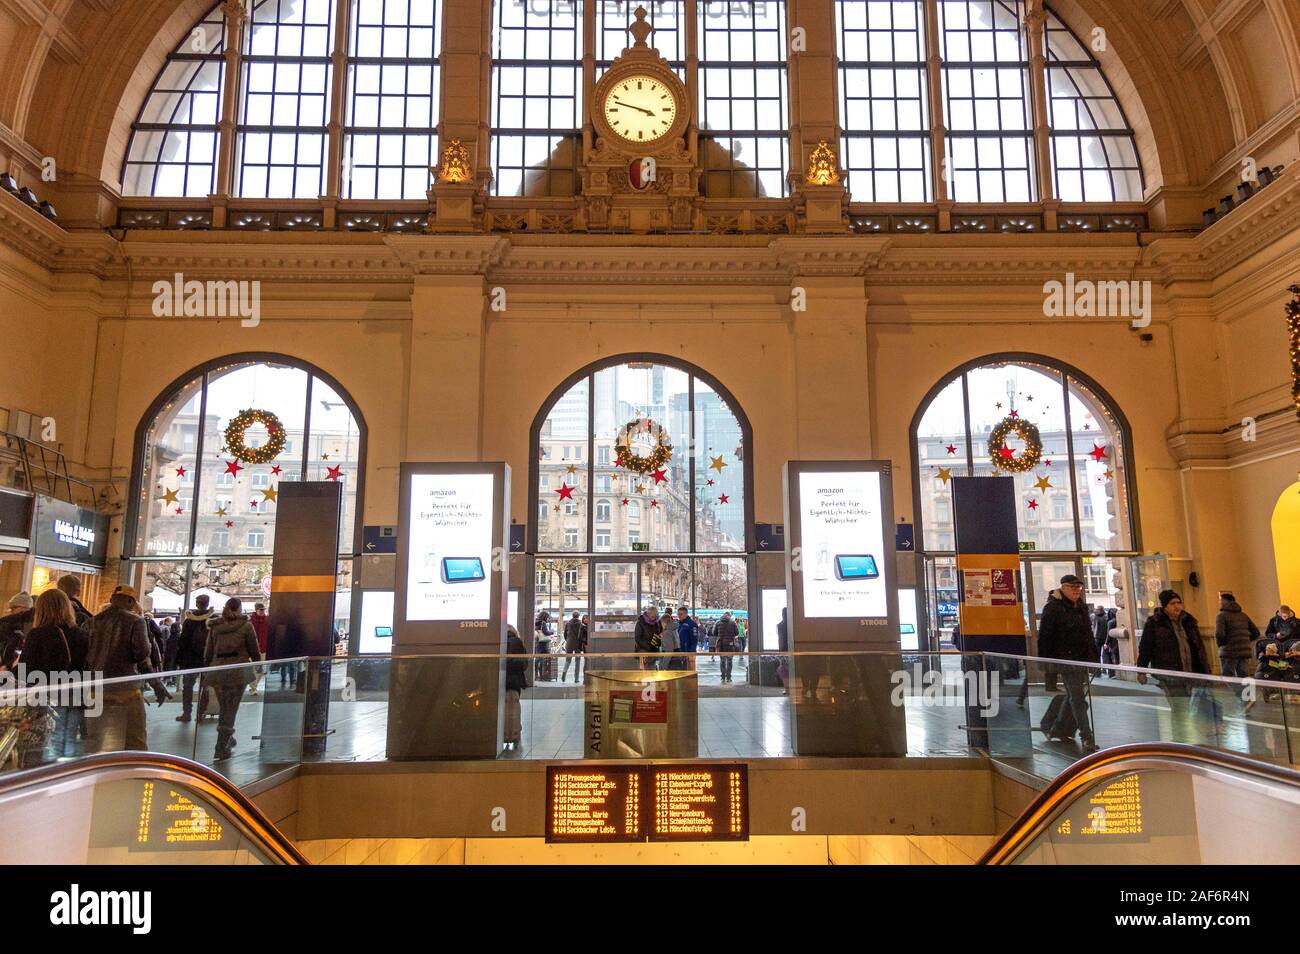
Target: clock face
[640,109]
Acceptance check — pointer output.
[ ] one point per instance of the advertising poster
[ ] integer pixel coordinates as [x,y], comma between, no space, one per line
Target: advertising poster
[450,547]
[977,588]
[843,545]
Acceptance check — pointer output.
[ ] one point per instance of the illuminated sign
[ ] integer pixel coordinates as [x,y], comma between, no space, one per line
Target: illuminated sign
[64,531]
[843,544]
[617,803]
[449,547]
[142,815]
[1111,813]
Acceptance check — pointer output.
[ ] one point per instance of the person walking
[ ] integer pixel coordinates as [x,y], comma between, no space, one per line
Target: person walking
[190,654]
[1065,633]
[1099,630]
[783,647]
[1236,635]
[231,640]
[516,683]
[1171,640]
[55,648]
[258,621]
[119,646]
[572,647]
[13,628]
[543,629]
[688,636]
[647,636]
[728,635]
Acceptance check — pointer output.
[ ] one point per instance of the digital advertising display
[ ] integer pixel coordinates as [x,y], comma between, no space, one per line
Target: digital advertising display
[623,803]
[64,531]
[843,545]
[449,547]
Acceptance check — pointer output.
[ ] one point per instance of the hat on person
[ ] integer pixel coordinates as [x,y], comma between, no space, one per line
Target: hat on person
[124,590]
[1167,597]
[1071,578]
[20,601]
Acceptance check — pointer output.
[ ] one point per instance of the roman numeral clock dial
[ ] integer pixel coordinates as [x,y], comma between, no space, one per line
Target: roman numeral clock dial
[640,109]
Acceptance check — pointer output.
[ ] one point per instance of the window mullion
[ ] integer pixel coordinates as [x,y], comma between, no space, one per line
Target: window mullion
[1035,18]
[938,121]
[338,94]
[236,20]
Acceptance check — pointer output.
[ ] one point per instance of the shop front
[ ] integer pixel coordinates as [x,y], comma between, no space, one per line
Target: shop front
[68,539]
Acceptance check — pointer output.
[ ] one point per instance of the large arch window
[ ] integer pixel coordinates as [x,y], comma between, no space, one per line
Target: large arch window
[1078,501]
[601,526]
[983,70]
[285,111]
[201,517]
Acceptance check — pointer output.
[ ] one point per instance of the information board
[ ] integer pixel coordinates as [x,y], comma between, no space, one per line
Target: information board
[143,815]
[843,545]
[618,803]
[450,547]
[1114,813]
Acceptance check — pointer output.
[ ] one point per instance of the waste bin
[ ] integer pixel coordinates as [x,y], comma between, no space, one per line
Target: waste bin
[638,714]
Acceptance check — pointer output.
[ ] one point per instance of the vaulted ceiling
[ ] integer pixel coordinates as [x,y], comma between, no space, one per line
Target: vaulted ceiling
[1205,82]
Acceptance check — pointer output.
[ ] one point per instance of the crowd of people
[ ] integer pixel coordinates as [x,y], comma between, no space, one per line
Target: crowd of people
[1170,642]
[667,640]
[55,640]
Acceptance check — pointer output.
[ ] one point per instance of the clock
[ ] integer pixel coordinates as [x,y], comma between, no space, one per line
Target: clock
[639,108]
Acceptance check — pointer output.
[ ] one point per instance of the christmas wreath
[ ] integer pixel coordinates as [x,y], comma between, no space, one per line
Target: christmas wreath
[240,424]
[642,431]
[1003,457]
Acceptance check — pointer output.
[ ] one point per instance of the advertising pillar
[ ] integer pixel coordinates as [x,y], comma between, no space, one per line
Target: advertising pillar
[840,567]
[451,609]
[991,612]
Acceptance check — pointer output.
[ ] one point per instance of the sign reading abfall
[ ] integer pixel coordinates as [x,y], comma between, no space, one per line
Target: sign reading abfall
[625,803]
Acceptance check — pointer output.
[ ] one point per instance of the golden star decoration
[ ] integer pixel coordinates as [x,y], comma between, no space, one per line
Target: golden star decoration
[221,512]
[640,488]
[572,468]
[1109,474]
[169,497]
[945,474]
[1043,483]
[270,493]
[717,463]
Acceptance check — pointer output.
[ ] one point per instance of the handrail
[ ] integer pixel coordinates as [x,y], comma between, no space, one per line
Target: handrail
[150,765]
[1117,761]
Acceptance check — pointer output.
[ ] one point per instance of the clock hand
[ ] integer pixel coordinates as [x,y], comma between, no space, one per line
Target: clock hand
[637,108]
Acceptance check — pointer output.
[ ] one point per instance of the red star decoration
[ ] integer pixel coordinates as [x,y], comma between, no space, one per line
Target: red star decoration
[334,473]
[709,482]
[1006,453]
[229,524]
[660,477]
[232,467]
[951,448]
[179,510]
[1033,505]
[276,470]
[618,461]
[1098,453]
[654,503]
[253,503]
[724,499]
[1047,463]
[1014,413]
[180,471]
[565,491]
[624,501]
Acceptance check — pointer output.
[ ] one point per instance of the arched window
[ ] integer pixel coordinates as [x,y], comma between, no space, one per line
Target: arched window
[656,533]
[537,111]
[282,146]
[1077,501]
[983,72]
[201,517]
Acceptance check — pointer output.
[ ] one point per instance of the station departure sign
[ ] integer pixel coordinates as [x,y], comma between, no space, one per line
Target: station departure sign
[632,803]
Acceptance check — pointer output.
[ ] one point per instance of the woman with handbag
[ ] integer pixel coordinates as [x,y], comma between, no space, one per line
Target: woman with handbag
[54,646]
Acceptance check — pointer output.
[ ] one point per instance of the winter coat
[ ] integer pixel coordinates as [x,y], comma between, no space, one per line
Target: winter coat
[194,638]
[516,669]
[573,635]
[1065,630]
[727,633]
[1100,626]
[259,626]
[1283,628]
[1158,645]
[231,641]
[119,644]
[55,648]
[670,639]
[13,629]
[1235,633]
[1278,666]
[646,638]
[688,635]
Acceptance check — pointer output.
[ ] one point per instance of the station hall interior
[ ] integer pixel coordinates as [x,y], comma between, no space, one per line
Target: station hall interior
[686,431]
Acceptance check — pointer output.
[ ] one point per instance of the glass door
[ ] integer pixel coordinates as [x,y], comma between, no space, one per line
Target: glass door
[1041,577]
[616,606]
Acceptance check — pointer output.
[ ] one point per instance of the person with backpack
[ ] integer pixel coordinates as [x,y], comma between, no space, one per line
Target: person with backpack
[1065,633]
[190,653]
[231,640]
[120,646]
[1236,634]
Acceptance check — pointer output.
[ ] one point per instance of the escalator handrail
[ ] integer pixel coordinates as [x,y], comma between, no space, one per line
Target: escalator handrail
[212,784]
[1116,761]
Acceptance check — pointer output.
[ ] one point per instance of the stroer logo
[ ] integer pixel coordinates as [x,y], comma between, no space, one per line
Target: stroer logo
[76,907]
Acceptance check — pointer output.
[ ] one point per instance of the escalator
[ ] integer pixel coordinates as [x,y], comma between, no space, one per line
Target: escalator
[134,808]
[1159,804]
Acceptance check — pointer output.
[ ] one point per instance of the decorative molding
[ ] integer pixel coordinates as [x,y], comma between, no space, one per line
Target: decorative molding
[448,254]
[25,229]
[63,43]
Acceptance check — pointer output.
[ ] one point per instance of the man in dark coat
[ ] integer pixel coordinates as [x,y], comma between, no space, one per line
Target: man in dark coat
[573,632]
[647,637]
[1236,633]
[1065,632]
[14,627]
[190,652]
[1171,640]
